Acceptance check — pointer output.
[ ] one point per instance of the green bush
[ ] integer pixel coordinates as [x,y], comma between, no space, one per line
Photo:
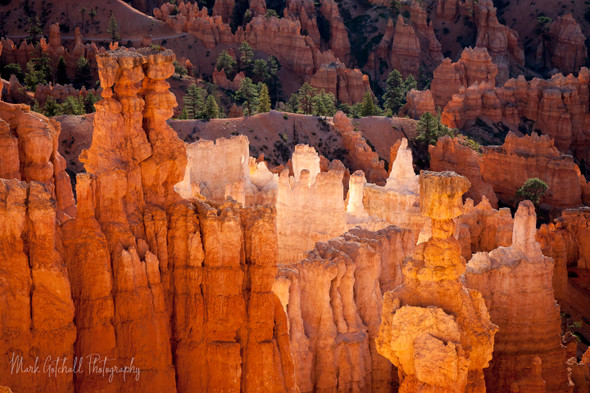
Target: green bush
[533,189]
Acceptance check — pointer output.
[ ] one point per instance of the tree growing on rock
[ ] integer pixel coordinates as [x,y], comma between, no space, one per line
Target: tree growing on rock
[369,107]
[226,62]
[533,189]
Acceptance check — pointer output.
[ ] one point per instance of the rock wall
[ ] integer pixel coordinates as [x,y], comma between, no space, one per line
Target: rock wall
[176,289]
[450,154]
[333,298]
[567,44]
[533,156]
[435,330]
[557,107]
[521,275]
[310,205]
[474,66]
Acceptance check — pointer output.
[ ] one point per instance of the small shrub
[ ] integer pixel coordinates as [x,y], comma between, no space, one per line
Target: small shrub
[533,189]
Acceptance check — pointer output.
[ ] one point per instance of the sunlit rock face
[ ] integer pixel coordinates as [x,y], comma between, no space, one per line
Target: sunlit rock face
[310,205]
[516,282]
[398,201]
[436,331]
[450,155]
[333,298]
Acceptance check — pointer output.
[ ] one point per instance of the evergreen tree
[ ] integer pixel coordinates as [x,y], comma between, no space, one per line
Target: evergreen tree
[38,71]
[89,101]
[61,75]
[260,70]
[113,29]
[248,95]
[394,97]
[12,69]
[72,106]
[246,56]
[211,108]
[533,189]
[263,98]
[429,129]
[369,108]
[247,17]
[52,108]
[194,102]
[83,73]
[226,62]
[305,99]
[35,30]
[409,84]
[324,104]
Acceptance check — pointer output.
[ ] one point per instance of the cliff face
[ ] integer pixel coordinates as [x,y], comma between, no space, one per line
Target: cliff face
[135,276]
[502,42]
[533,156]
[557,107]
[333,298]
[567,44]
[35,195]
[450,155]
[437,332]
[474,66]
[521,274]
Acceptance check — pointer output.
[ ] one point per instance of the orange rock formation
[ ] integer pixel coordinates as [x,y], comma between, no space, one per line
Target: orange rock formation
[567,44]
[437,332]
[522,274]
[474,66]
[533,156]
[450,154]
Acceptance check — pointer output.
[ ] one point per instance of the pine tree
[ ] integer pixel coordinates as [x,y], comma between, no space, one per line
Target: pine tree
[260,69]
[394,96]
[211,108]
[35,30]
[246,56]
[194,102]
[225,62]
[305,99]
[248,95]
[263,98]
[324,104]
[409,84]
[61,75]
[83,73]
[369,108]
[113,29]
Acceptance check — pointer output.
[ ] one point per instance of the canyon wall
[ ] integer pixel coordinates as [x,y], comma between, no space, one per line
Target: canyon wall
[520,278]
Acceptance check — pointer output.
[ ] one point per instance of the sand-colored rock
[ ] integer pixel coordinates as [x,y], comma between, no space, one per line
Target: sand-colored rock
[567,44]
[522,274]
[398,201]
[334,300]
[310,205]
[450,154]
[437,332]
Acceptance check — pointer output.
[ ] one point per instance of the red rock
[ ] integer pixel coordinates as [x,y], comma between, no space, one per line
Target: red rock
[333,298]
[220,79]
[347,85]
[474,66]
[224,8]
[533,156]
[450,154]
[420,102]
[519,277]
[567,44]
[360,155]
[502,42]
[405,50]
[339,43]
